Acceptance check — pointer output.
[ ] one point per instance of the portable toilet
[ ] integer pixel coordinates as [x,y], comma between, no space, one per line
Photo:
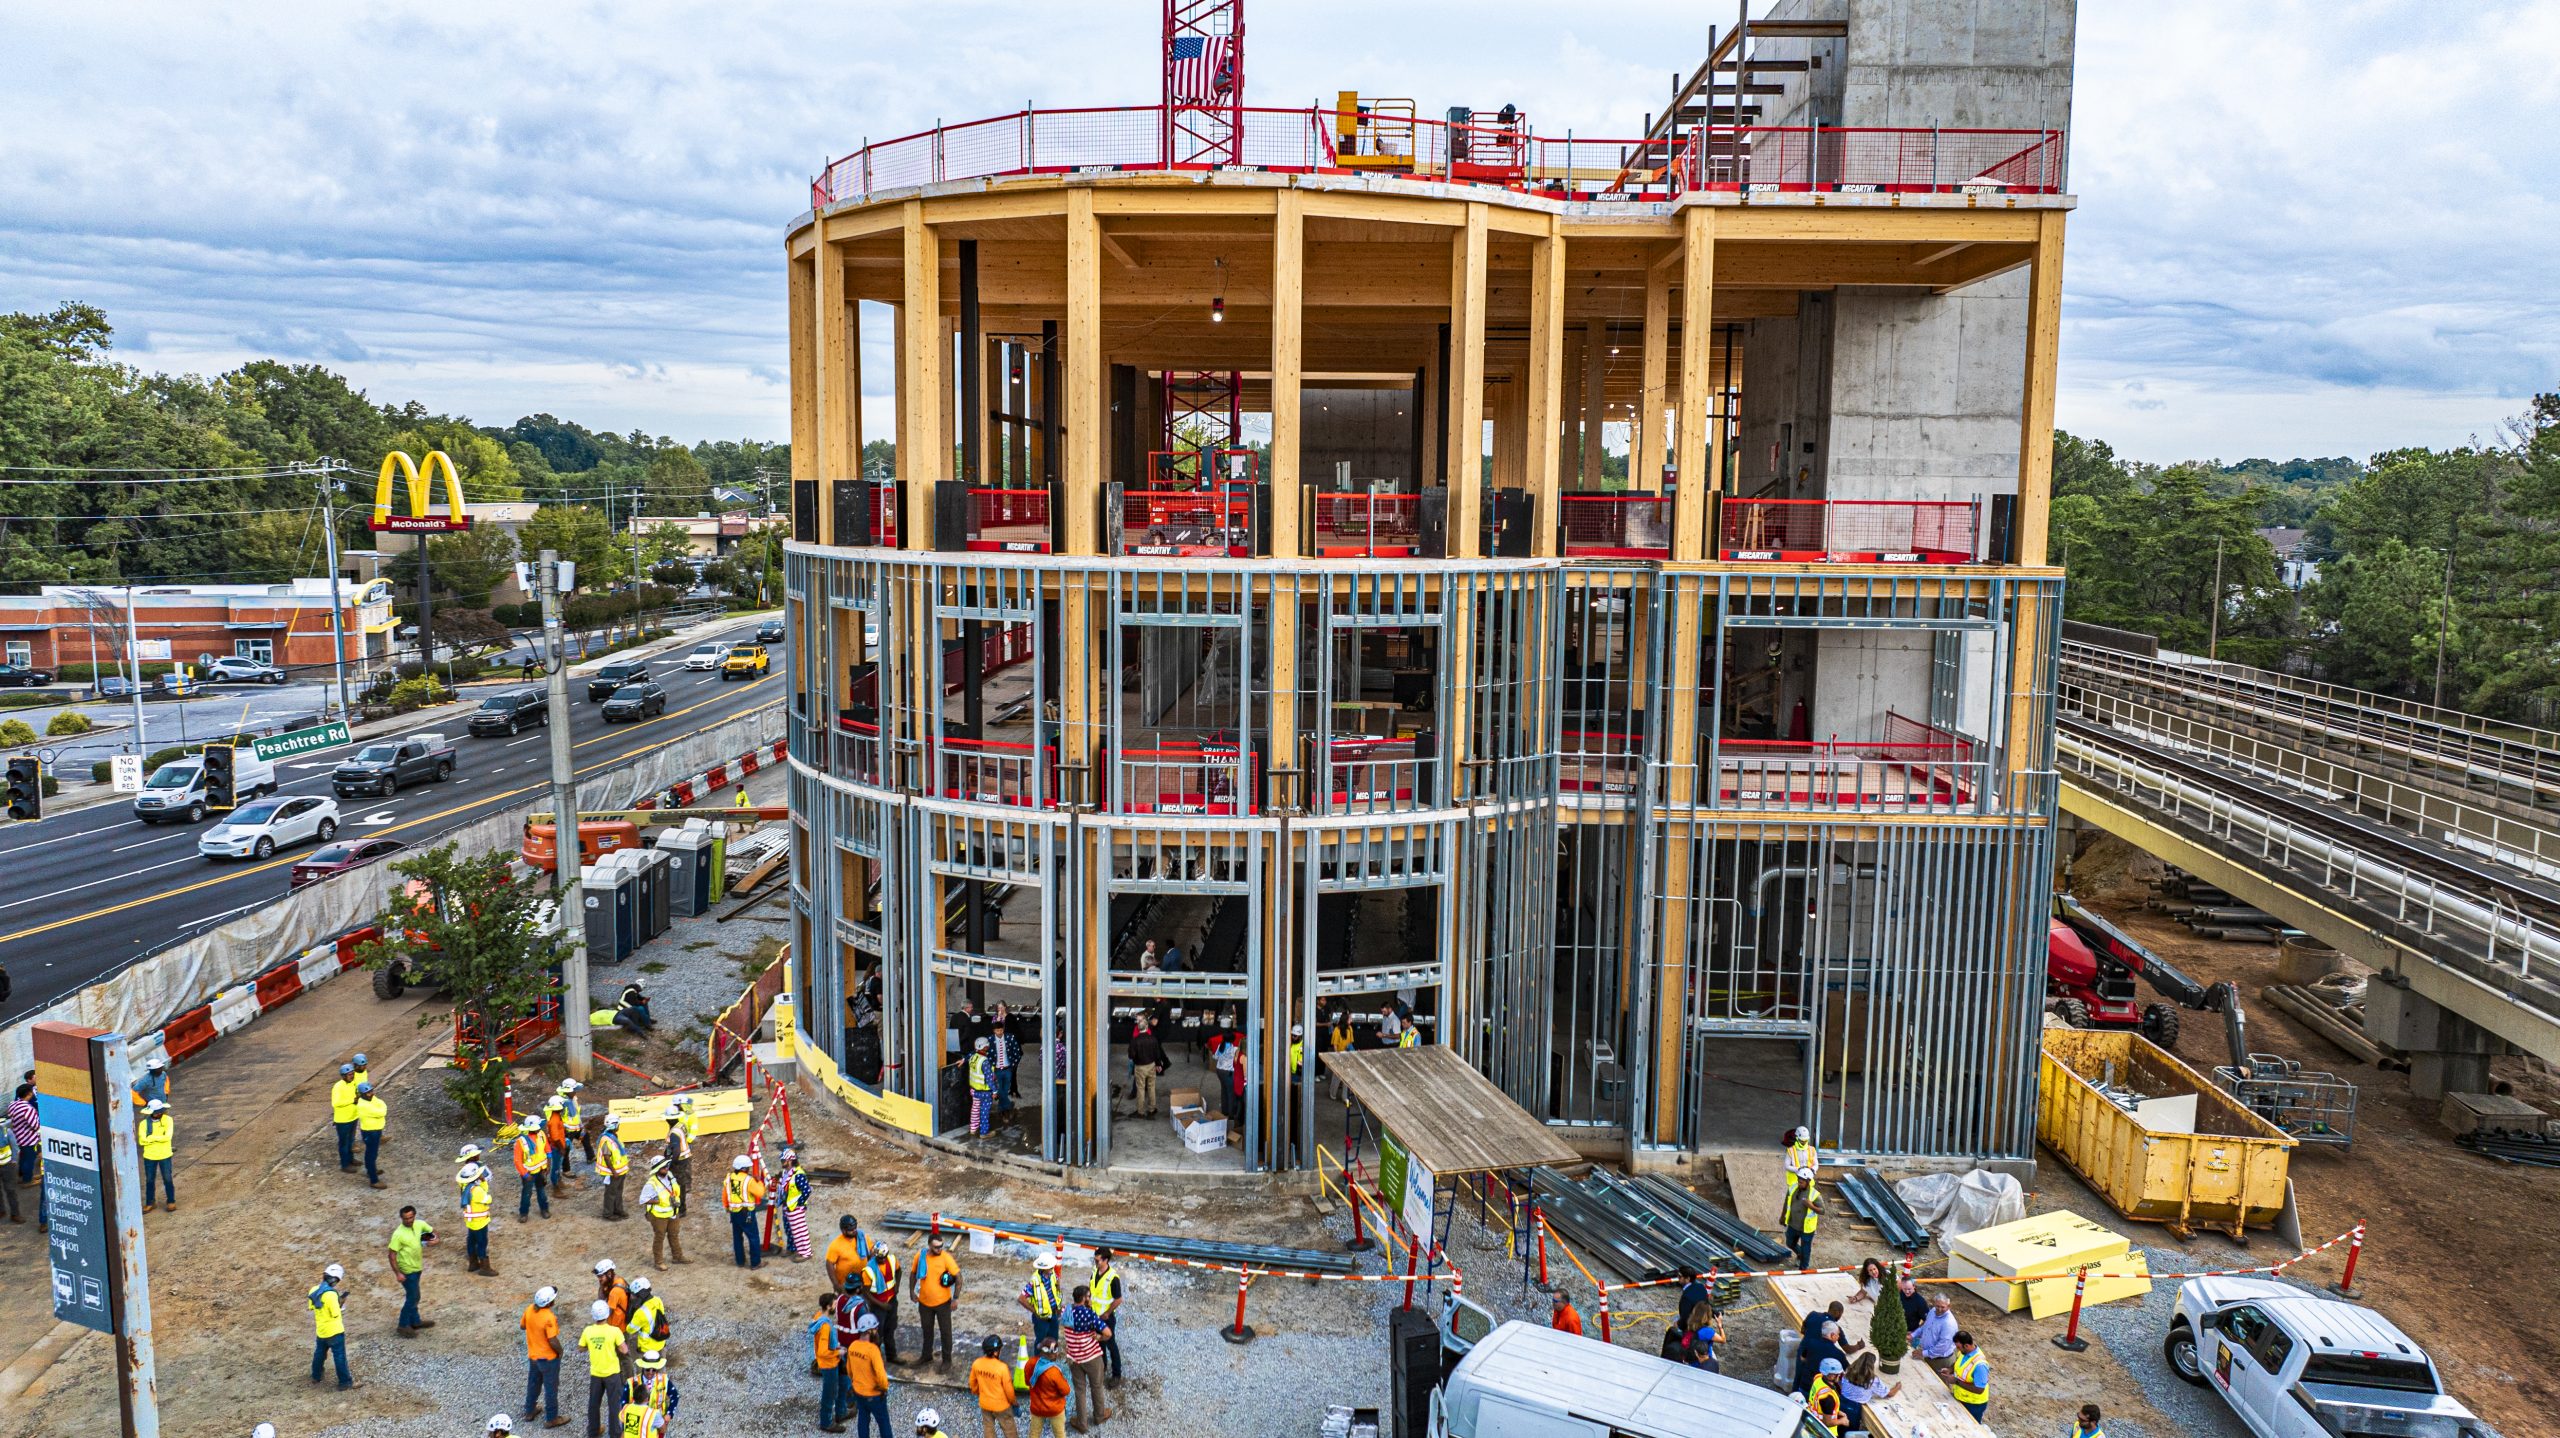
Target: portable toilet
[648,909]
[600,912]
[662,882]
[688,854]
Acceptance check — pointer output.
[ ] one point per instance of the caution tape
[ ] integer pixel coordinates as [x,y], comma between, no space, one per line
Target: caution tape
[1457,1281]
[2353,1235]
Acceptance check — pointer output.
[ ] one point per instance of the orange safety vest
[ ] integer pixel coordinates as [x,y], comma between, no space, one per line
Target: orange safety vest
[533,1153]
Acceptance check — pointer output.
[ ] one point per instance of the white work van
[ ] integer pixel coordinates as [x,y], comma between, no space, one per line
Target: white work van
[1528,1381]
[175,791]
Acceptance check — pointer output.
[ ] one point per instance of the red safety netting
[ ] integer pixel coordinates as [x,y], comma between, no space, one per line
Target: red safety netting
[1354,525]
[1215,521]
[1620,525]
[1185,777]
[1858,531]
[1015,521]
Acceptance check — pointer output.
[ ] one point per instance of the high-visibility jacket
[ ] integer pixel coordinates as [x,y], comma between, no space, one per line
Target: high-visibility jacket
[571,1120]
[660,1198]
[155,1135]
[740,1192]
[1106,1291]
[1803,1211]
[679,1139]
[533,1153]
[1042,1291]
[1410,1038]
[1297,1056]
[644,1324]
[328,1314]
[372,1114]
[880,1276]
[342,1101]
[2079,1432]
[1824,1400]
[612,1159]
[795,1190]
[1969,1377]
[980,1081]
[475,1203]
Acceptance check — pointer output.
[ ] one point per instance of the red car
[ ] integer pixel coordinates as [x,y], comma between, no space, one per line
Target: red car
[339,857]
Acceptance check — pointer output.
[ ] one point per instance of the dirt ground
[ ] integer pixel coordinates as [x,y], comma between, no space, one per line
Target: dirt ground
[2451,1238]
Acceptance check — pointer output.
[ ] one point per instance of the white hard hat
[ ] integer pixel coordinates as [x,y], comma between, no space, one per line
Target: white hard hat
[545,1296]
[674,1112]
[158,1061]
[1797,1134]
[469,1173]
[928,1418]
[333,1271]
[570,1085]
[790,1154]
[740,1163]
[686,1101]
[1297,1030]
[641,1284]
[867,1322]
[263,1430]
[603,1267]
[466,1153]
[1805,1173]
[613,1120]
[501,1423]
[551,1103]
[155,1106]
[1045,1261]
[599,1310]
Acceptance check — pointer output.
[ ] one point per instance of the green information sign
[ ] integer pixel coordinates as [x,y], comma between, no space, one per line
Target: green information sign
[301,741]
[1391,1165]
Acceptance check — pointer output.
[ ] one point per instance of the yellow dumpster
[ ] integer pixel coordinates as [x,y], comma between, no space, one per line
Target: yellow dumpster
[2185,1154]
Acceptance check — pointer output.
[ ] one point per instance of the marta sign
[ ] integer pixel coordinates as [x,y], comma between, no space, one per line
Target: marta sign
[418,477]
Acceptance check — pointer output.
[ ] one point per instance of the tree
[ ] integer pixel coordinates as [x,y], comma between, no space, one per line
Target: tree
[580,536]
[486,937]
[470,564]
[677,483]
[2383,608]
[2417,496]
[666,543]
[488,474]
[471,630]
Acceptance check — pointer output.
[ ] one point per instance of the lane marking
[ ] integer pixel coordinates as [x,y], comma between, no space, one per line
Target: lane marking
[165,838]
[93,883]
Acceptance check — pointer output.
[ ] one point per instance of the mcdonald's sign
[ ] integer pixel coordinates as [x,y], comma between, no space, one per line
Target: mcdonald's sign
[419,479]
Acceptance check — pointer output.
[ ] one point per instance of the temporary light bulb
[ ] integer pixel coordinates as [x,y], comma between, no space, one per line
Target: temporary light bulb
[1218,310]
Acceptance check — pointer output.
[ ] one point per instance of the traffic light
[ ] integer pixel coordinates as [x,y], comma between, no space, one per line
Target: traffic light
[26,789]
[217,777]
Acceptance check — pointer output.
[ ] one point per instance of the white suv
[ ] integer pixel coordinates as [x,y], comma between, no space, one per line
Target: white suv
[2295,1365]
[705,656]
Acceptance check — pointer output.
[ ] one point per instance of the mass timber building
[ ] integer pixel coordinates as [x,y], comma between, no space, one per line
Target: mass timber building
[1593,592]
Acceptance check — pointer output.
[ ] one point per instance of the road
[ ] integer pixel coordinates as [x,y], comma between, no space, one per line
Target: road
[95,888]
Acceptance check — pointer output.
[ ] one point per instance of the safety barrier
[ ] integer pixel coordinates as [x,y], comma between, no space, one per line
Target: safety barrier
[733,1033]
[1010,521]
[1188,522]
[995,771]
[681,794]
[1351,524]
[1619,526]
[1939,774]
[1849,531]
[1482,149]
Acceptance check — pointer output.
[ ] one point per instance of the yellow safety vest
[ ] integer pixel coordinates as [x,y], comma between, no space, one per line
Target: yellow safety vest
[611,1159]
[155,1137]
[475,1204]
[1967,1383]
[342,1101]
[533,1153]
[372,1114]
[1297,1055]
[1106,1291]
[361,1076]
[734,1192]
[1410,1038]
[670,1193]
[1043,1293]
[1824,1400]
[1812,1218]
[643,1322]
[328,1317]
[978,1080]
[570,1119]
[880,1274]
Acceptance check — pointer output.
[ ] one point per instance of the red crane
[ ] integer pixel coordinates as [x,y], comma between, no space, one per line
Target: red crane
[1204,82]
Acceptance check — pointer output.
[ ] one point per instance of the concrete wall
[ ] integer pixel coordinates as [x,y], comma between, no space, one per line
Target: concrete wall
[1370,429]
[1783,449]
[1991,64]
[1926,391]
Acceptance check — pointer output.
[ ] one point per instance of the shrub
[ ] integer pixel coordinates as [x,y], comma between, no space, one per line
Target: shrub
[69,721]
[466,667]
[101,772]
[52,786]
[417,693]
[17,731]
[1885,1330]
[518,616]
[158,757]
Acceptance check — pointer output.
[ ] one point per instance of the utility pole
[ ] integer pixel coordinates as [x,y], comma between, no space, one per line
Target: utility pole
[337,607]
[133,651]
[565,847]
[635,497]
[2213,643]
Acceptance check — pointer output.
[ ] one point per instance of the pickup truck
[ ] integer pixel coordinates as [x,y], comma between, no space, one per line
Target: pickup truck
[2293,1364]
[384,765]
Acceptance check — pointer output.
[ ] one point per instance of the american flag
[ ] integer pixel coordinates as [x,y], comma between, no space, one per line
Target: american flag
[1201,68]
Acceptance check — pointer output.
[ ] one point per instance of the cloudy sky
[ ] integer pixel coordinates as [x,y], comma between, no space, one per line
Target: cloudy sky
[2306,226]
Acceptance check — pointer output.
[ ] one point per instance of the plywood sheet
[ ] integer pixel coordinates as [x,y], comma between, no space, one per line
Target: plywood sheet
[1922,1409]
[1448,1116]
[1759,1181]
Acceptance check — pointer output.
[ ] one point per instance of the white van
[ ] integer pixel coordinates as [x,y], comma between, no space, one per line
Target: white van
[1529,1381]
[175,791]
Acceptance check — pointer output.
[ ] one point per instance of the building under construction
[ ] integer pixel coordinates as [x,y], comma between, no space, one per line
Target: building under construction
[1589,594]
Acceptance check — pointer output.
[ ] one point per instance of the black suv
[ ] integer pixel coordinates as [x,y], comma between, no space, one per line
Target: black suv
[638,699]
[510,713]
[769,632]
[614,676]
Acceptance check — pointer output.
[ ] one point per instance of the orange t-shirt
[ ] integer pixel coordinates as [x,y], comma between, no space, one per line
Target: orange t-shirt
[1050,1390]
[823,1341]
[863,1368]
[541,1333]
[992,1381]
[843,1257]
[1568,1321]
[617,1306]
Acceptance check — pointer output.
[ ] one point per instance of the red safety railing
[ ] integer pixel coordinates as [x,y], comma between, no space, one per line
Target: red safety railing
[1000,647]
[1485,150]
[1354,525]
[1215,521]
[1186,777]
[996,771]
[1599,761]
[1939,772]
[1014,521]
[1850,531]
[1627,526]
[1364,775]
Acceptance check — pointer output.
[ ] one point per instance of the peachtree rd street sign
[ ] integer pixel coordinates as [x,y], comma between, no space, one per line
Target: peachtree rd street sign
[301,741]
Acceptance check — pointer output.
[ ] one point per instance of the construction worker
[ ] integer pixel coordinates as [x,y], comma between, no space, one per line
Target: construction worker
[1082,1342]
[982,1091]
[991,1381]
[880,1291]
[616,1296]
[679,1151]
[157,1136]
[654,1391]
[542,1357]
[471,1195]
[1040,1297]
[1822,1399]
[606,1348]
[372,1116]
[826,1357]
[2087,1425]
[362,1069]
[742,1193]
[1969,1377]
[342,1112]
[408,1253]
[929,1424]
[845,1251]
[631,1010]
[1801,1155]
[573,1117]
[936,1286]
[647,1325]
[1801,1216]
[1563,1318]
[792,1195]
[1047,1389]
[1338,1039]
[613,1164]
[1106,1305]
[533,1167]
[498,1423]
[867,1378]
[329,1325]
[154,1082]
[555,1138]
[662,1200]
[9,1173]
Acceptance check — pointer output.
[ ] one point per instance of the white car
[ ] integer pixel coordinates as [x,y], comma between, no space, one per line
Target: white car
[256,830]
[2293,1364]
[705,656]
[237,670]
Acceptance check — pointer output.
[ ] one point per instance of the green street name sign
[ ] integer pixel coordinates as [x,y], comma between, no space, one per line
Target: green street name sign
[301,741]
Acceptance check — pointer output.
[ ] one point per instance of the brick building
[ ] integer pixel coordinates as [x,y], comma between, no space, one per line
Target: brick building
[283,624]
